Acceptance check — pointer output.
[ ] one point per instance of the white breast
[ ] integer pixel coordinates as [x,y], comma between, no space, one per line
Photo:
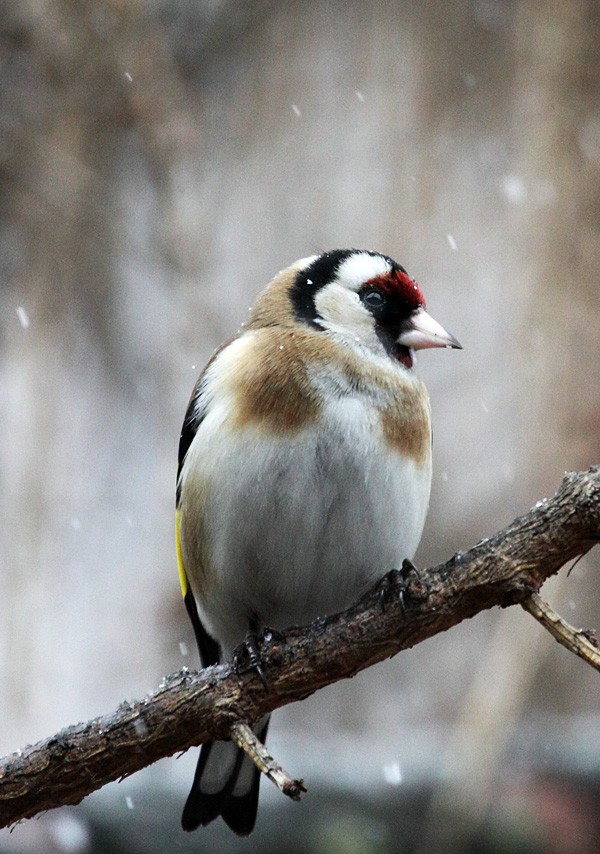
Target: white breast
[298,525]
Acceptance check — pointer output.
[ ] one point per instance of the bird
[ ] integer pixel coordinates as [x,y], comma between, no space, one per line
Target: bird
[304,472]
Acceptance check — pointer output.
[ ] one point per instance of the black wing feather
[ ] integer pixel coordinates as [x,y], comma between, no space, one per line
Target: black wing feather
[209,649]
[194,417]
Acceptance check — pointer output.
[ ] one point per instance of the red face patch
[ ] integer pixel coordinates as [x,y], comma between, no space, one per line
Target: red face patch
[402,286]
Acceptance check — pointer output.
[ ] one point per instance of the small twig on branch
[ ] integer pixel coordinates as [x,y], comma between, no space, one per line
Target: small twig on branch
[190,708]
[245,738]
[579,641]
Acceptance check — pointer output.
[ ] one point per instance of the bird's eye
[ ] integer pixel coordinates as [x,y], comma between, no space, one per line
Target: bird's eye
[373,299]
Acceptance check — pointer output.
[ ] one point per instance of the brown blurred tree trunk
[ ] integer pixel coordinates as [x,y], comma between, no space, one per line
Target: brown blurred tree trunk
[555,105]
[542,86]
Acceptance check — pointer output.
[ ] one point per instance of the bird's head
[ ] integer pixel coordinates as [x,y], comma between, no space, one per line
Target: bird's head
[367,298]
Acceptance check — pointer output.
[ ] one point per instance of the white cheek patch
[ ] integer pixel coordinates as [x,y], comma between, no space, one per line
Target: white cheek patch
[359,268]
[341,311]
[340,306]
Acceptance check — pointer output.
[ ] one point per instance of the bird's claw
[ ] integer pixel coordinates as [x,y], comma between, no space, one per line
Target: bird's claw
[247,656]
[393,586]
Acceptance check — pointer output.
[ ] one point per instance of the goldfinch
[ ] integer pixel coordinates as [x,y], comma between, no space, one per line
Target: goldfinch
[304,471]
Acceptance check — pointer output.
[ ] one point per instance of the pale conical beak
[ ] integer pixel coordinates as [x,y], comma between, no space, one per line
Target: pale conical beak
[423,331]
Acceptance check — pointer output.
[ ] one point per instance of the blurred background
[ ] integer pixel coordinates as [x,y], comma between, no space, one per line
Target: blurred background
[159,163]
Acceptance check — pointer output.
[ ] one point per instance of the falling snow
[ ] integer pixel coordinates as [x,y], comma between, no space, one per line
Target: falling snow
[296,109]
[69,834]
[451,242]
[23,317]
[392,774]
[513,189]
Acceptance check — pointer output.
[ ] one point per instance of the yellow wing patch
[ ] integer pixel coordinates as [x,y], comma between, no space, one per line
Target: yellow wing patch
[180,567]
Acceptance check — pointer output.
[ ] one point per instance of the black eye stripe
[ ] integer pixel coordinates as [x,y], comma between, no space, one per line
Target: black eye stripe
[310,280]
[321,272]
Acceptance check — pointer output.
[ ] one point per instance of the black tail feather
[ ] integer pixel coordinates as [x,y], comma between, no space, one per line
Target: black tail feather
[238,811]
[201,808]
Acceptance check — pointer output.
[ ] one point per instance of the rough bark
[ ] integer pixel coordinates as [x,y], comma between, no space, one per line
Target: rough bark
[189,708]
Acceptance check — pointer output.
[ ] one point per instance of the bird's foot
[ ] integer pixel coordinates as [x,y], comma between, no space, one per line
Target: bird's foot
[247,656]
[393,587]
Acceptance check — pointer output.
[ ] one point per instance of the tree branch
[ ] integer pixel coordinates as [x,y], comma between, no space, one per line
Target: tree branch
[581,642]
[189,708]
[244,737]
